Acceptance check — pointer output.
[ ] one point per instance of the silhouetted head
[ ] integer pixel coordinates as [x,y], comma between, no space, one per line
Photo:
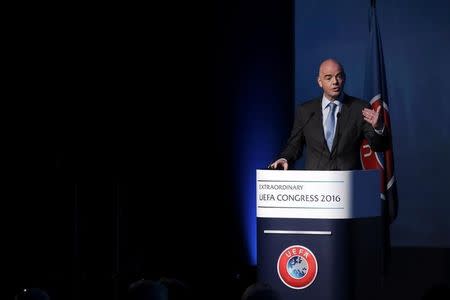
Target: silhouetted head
[32,294]
[147,290]
[178,290]
[260,291]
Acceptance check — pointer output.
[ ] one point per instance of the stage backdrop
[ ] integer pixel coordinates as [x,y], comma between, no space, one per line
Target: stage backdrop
[416,44]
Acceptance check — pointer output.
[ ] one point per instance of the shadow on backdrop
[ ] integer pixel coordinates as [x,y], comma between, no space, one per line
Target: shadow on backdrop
[437,292]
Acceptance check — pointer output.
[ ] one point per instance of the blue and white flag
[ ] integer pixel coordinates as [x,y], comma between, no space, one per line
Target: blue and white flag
[375,90]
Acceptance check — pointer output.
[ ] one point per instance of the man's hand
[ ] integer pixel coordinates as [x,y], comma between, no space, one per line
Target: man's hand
[279,162]
[373,117]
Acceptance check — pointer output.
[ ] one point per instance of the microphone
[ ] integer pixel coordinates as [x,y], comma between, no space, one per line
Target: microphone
[294,135]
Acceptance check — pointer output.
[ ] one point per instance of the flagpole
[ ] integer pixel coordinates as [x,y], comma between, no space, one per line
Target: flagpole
[373,3]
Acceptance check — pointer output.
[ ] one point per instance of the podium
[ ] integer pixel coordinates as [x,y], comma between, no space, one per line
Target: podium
[319,233]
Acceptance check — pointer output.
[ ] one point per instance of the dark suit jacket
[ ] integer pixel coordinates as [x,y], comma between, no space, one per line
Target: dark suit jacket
[351,129]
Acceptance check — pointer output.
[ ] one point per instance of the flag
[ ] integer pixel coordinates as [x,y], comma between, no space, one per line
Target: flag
[375,90]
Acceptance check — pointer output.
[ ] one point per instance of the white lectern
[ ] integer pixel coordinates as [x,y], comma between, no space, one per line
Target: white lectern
[319,233]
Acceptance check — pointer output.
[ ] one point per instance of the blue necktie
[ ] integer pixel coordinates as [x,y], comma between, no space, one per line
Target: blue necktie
[329,125]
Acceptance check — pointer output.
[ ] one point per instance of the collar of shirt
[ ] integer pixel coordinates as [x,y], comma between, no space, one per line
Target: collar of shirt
[338,102]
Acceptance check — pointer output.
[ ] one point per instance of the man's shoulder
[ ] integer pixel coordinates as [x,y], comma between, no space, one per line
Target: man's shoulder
[355,101]
[310,103]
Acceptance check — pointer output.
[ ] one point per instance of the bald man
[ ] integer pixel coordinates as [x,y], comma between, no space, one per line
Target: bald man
[330,128]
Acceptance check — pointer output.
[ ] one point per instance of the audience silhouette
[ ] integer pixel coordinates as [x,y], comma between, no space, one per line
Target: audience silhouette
[260,291]
[32,294]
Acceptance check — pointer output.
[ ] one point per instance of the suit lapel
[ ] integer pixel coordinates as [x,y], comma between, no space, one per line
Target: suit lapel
[319,113]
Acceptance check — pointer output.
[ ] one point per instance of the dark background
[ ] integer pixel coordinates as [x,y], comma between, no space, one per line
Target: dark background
[149,108]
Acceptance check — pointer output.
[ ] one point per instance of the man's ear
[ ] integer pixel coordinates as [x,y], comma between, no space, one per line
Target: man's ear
[319,82]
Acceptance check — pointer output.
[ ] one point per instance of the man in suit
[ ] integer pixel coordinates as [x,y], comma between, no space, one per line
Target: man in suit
[332,127]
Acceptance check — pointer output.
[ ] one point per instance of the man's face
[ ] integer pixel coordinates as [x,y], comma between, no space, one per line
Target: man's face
[331,79]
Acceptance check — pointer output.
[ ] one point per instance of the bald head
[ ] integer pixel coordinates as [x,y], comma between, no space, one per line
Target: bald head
[330,63]
[331,78]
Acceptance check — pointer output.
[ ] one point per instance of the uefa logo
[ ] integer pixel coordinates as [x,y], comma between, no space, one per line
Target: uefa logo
[297,267]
